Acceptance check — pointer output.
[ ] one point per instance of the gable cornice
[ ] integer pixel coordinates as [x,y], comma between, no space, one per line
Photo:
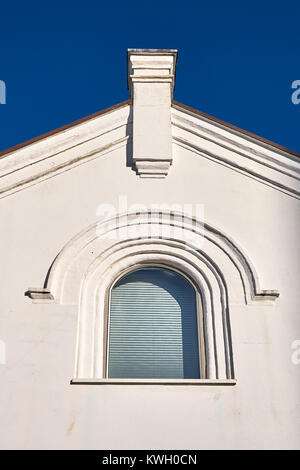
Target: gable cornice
[235,129]
[64,148]
[256,158]
[88,138]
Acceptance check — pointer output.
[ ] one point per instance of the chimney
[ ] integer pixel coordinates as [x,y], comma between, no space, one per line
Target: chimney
[151,79]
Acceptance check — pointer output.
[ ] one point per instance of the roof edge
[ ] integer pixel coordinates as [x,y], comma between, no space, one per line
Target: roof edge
[64,127]
[175,104]
[236,129]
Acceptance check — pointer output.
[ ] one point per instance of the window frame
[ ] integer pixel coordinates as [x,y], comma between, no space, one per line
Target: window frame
[219,272]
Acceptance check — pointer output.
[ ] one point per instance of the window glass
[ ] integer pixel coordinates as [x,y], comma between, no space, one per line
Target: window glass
[153,329]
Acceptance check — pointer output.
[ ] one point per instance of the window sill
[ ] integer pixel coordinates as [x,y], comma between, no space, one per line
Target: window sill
[93,381]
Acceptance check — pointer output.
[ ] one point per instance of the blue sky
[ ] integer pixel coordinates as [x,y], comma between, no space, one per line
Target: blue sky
[237,61]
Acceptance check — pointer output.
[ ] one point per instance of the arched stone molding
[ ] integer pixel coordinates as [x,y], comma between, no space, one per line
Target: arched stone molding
[73,260]
[87,267]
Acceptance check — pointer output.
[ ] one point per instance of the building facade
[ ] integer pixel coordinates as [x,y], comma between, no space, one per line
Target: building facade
[150,275]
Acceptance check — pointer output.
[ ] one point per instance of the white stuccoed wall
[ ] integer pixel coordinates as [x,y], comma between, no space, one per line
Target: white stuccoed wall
[39,408]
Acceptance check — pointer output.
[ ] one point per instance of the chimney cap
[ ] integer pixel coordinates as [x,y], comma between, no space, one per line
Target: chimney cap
[153,53]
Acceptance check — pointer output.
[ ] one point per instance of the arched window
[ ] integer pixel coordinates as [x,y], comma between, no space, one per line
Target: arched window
[153,326]
[94,266]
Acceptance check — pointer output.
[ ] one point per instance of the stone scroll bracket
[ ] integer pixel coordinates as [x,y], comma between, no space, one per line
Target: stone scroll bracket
[39,294]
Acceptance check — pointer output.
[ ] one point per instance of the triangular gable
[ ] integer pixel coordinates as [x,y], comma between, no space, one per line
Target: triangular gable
[160,124]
